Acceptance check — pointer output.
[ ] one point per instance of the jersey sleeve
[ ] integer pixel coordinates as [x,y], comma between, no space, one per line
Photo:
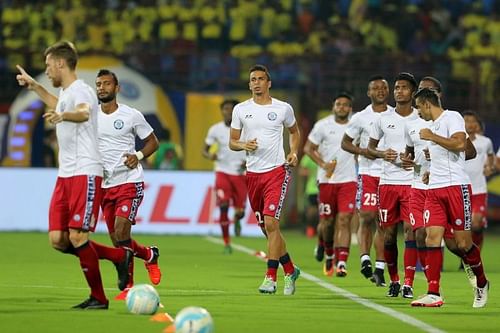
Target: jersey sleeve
[315,135]
[236,121]
[141,126]
[210,138]
[489,147]
[456,124]
[353,129]
[289,116]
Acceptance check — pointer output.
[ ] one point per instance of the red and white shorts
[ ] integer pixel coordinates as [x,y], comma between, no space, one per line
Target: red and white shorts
[394,204]
[417,202]
[479,203]
[336,198]
[231,188]
[75,203]
[267,191]
[122,200]
[449,206]
[367,193]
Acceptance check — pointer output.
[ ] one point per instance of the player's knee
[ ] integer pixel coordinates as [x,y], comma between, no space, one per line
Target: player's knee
[224,207]
[239,214]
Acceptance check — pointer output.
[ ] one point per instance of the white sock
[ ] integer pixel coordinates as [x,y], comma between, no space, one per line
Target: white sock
[365,257]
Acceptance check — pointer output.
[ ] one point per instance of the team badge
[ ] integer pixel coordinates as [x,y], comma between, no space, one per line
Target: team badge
[118,124]
[272,116]
[124,208]
[272,207]
[458,222]
[76,217]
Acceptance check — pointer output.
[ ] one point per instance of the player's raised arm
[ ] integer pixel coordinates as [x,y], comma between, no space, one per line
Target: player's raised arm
[26,80]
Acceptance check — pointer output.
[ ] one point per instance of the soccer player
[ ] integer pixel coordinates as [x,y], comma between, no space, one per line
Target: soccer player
[262,118]
[448,199]
[74,206]
[395,183]
[123,183]
[337,183]
[230,182]
[478,168]
[369,170]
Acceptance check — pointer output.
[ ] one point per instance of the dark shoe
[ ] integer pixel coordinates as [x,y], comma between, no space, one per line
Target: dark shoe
[237,228]
[378,277]
[319,252]
[91,304]
[366,269]
[407,292]
[394,289]
[122,269]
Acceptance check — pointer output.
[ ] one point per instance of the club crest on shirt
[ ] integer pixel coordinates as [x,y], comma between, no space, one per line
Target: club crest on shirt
[272,116]
[118,124]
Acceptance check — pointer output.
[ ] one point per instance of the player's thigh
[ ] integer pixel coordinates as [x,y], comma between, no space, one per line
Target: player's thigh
[275,191]
[84,202]
[128,201]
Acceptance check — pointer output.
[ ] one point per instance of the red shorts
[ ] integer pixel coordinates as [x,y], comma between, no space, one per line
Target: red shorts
[121,200]
[75,203]
[231,188]
[267,191]
[367,193]
[449,206]
[479,203]
[417,202]
[336,198]
[394,204]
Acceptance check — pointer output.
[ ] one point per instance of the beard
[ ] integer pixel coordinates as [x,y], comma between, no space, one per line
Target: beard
[56,83]
[106,98]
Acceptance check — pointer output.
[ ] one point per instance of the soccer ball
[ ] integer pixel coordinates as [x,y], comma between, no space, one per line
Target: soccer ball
[193,319]
[142,299]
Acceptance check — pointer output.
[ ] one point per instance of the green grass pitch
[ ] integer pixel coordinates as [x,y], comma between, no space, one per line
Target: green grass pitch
[39,285]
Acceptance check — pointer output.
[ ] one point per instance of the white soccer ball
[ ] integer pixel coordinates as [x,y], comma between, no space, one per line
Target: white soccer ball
[193,319]
[142,299]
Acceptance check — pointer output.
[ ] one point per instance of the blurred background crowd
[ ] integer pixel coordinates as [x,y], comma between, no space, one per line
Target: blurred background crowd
[316,47]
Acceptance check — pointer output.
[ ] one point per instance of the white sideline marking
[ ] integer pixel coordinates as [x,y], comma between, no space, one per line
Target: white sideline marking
[347,294]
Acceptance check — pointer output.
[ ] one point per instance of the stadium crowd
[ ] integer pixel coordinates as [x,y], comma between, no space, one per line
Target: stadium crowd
[209,44]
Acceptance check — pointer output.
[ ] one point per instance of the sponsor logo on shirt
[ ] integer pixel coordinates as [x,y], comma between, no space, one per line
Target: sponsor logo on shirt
[391,126]
[118,124]
[272,116]
[248,116]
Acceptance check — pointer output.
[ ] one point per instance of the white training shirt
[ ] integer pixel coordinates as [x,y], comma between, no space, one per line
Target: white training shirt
[391,126]
[78,152]
[474,167]
[264,123]
[447,167]
[412,139]
[228,161]
[327,135]
[117,132]
[359,130]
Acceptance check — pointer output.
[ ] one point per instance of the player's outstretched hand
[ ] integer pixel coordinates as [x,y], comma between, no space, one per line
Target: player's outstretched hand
[24,79]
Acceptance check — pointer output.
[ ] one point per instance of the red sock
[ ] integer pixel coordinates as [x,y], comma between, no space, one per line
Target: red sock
[478,238]
[329,251]
[391,259]
[140,251]
[272,268]
[89,262]
[434,261]
[287,264]
[110,253]
[224,225]
[410,262]
[422,253]
[342,253]
[473,258]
